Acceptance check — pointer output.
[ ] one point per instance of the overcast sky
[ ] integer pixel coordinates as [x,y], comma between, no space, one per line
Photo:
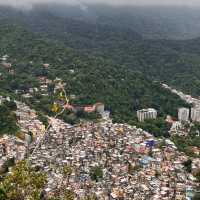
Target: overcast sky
[26,3]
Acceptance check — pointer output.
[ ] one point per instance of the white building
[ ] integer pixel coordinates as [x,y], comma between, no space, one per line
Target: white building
[105,115]
[149,113]
[183,114]
[176,126]
[195,114]
[100,107]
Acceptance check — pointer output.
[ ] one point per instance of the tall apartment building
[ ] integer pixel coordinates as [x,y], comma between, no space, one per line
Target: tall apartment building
[183,114]
[149,113]
[195,114]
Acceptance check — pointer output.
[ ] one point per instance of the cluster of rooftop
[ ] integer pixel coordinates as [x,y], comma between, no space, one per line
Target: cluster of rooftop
[16,147]
[134,164]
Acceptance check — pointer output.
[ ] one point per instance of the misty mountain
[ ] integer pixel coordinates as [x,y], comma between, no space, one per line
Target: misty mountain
[151,22]
[174,62]
[75,32]
[95,78]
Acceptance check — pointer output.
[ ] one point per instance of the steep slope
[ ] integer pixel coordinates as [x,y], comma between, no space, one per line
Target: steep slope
[94,79]
[174,62]
[7,118]
[152,22]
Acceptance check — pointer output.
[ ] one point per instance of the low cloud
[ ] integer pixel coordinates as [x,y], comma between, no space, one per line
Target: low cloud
[29,3]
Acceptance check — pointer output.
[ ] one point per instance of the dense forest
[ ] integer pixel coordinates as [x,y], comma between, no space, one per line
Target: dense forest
[111,64]
[100,60]
[151,22]
[7,118]
[172,61]
[122,89]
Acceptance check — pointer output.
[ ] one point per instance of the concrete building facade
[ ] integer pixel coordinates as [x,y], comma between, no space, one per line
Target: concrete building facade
[195,114]
[100,107]
[183,114]
[149,113]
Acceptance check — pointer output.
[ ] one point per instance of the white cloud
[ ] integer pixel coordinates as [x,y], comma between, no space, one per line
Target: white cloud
[147,2]
[29,3]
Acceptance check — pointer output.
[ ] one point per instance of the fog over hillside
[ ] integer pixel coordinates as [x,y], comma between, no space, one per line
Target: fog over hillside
[151,19]
[28,3]
[151,22]
[154,22]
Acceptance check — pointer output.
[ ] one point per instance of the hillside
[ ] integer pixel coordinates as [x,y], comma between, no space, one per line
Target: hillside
[174,62]
[122,89]
[60,66]
[7,118]
[151,22]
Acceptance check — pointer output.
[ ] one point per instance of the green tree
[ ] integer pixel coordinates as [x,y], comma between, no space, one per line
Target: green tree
[158,127]
[197,175]
[23,183]
[69,195]
[7,120]
[90,197]
[11,105]
[196,196]
[43,118]
[96,173]
[2,194]
[67,171]
[188,165]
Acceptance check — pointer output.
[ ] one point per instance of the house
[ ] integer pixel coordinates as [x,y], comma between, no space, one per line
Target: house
[6,65]
[46,65]
[99,107]
[90,109]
